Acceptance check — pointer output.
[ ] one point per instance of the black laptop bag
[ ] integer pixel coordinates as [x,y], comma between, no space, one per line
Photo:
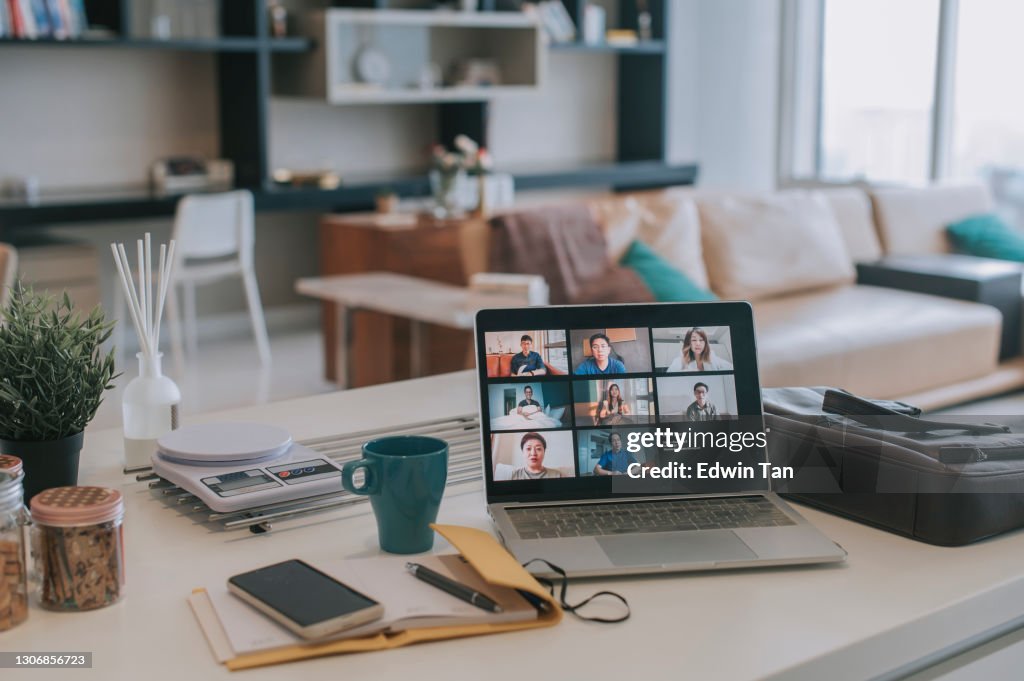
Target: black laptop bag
[877,462]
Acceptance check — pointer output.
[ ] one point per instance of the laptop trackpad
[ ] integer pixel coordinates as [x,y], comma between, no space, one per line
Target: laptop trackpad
[665,548]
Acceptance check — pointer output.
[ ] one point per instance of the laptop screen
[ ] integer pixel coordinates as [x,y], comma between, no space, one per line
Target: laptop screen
[594,401]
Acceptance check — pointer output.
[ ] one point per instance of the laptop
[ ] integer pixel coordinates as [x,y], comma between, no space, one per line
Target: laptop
[627,439]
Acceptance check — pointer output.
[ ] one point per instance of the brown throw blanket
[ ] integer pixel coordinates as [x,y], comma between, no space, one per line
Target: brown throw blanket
[565,245]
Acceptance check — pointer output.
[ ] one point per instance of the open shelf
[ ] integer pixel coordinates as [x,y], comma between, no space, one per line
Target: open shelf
[646,47]
[415,96]
[228,44]
[464,56]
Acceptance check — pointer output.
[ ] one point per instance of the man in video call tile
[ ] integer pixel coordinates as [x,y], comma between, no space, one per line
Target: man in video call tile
[534,446]
[615,461]
[601,360]
[701,409]
[527,362]
[529,405]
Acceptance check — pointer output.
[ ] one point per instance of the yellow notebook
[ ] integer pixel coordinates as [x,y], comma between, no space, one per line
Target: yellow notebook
[480,550]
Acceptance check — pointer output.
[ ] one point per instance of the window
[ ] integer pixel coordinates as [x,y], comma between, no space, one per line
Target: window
[877,89]
[904,91]
[988,103]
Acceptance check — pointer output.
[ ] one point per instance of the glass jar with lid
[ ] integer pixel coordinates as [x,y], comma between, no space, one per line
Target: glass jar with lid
[11,465]
[78,544]
[13,587]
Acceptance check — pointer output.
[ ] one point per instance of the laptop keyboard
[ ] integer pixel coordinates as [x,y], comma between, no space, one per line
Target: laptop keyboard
[635,517]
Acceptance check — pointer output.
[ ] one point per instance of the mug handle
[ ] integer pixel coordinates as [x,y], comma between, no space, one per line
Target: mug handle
[371,485]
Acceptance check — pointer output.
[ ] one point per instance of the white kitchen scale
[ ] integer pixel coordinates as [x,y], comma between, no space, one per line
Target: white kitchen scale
[237,466]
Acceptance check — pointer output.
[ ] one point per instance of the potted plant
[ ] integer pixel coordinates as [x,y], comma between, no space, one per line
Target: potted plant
[52,378]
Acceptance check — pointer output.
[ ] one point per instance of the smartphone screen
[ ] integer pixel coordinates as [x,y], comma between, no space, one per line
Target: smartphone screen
[301,593]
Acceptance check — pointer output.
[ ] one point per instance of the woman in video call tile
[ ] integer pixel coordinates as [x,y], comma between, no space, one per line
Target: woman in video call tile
[534,446]
[612,409]
[696,354]
[701,409]
[601,360]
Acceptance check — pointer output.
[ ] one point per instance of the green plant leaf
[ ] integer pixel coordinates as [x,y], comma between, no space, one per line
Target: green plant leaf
[52,371]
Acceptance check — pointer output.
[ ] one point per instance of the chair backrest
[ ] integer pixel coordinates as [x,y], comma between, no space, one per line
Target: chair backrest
[8,271]
[215,226]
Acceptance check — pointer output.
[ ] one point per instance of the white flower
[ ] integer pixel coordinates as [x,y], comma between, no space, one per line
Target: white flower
[467,146]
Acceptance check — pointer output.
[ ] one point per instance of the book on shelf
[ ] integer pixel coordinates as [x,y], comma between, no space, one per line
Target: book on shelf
[34,19]
[41,16]
[554,19]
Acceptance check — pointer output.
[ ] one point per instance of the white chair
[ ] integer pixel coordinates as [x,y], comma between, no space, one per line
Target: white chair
[214,235]
[8,271]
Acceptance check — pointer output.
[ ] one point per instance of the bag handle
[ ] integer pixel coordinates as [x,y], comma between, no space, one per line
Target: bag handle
[876,416]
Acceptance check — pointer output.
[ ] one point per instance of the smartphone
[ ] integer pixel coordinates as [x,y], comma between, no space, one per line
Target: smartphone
[304,600]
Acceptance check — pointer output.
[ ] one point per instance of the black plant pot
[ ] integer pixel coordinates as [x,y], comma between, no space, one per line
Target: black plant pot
[49,463]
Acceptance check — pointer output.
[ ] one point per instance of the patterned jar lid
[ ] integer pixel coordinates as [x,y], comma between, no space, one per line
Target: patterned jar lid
[10,464]
[76,506]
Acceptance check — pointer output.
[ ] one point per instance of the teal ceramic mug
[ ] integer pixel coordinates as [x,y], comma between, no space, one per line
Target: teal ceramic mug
[404,476]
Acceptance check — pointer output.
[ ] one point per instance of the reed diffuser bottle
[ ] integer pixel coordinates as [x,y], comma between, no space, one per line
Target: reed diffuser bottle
[151,400]
[150,410]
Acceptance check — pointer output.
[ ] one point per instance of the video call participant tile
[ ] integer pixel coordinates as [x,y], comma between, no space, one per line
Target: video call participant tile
[694,399]
[692,349]
[533,455]
[536,405]
[613,401]
[597,352]
[523,354]
[606,451]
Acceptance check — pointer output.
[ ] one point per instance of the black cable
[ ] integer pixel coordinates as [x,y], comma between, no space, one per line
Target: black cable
[573,609]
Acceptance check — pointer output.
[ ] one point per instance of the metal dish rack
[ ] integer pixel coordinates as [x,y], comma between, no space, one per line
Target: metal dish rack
[461,432]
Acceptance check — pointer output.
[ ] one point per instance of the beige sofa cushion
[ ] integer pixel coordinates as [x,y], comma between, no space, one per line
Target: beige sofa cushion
[875,342]
[759,246]
[667,221]
[852,208]
[913,220]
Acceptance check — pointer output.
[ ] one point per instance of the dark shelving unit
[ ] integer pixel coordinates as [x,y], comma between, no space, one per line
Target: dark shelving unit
[194,45]
[352,196]
[243,54]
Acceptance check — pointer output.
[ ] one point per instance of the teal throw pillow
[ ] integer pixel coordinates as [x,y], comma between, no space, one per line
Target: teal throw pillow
[988,236]
[666,282]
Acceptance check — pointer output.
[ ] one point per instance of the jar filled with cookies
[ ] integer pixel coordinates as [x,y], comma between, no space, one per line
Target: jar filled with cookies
[13,588]
[78,544]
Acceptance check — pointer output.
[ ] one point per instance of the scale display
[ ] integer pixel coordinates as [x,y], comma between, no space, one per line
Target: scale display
[240,482]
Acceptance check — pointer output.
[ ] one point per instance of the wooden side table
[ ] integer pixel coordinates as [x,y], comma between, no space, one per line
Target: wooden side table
[380,343]
[419,301]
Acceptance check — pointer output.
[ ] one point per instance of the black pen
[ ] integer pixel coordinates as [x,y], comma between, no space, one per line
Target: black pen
[535,601]
[460,591]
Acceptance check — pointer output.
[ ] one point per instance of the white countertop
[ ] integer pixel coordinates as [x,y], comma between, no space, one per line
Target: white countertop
[895,601]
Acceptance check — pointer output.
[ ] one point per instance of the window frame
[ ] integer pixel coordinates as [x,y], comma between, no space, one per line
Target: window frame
[801,61]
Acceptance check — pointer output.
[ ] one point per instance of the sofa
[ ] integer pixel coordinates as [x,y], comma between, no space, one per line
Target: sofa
[792,255]
[500,366]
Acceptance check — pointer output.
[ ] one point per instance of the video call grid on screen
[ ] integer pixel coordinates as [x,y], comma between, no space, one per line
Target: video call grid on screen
[549,387]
